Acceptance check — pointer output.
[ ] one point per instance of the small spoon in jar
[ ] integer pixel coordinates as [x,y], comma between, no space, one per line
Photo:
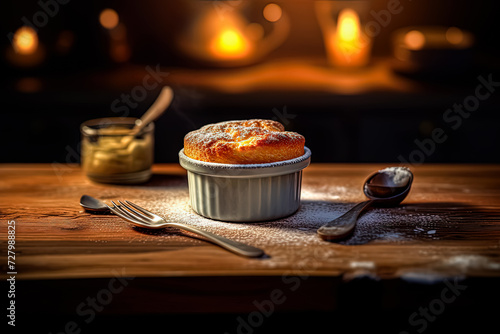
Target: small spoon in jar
[387,187]
[161,104]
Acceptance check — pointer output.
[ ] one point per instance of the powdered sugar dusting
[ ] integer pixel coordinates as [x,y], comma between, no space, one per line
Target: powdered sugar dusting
[398,176]
[318,207]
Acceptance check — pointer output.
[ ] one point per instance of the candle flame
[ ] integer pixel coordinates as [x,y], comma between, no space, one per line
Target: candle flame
[230,43]
[349,27]
[25,40]
[349,47]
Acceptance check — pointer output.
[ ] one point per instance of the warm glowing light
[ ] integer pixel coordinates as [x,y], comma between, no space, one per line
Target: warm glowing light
[109,18]
[414,40]
[228,39]
[272,12]
[25,41]
[349,47]
[348,25]
[230,44]
[454,35]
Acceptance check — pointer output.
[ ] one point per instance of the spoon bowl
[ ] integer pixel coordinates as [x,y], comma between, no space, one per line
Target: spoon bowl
[385,193]
[92,204]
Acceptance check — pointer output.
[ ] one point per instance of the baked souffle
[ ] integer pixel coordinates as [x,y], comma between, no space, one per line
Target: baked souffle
[252,141]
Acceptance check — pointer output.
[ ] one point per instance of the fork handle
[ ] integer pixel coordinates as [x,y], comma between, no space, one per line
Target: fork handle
[231,245]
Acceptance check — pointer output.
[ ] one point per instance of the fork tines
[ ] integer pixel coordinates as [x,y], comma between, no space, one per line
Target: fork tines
[126,212]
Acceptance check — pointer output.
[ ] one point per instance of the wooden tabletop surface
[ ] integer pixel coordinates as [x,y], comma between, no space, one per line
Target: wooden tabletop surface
[449,226]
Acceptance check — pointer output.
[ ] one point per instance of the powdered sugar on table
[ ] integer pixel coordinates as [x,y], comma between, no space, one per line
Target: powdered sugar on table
[320,205]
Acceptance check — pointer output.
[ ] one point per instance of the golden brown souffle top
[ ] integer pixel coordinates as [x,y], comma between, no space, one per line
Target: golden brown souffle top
[252,141]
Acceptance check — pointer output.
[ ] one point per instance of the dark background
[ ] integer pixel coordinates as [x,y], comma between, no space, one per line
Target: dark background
[42,107]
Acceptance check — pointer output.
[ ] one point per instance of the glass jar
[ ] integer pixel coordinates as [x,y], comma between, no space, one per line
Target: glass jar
[109,154]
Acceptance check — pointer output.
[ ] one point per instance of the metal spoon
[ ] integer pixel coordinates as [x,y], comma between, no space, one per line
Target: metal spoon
[380,190]
[93,204]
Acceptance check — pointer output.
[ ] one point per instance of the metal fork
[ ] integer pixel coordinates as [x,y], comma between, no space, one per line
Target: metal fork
[144,218]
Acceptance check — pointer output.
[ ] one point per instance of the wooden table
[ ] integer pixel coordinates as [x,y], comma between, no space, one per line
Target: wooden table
[447,231]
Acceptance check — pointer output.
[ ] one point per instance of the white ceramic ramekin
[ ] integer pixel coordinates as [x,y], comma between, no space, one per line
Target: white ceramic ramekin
[245,193]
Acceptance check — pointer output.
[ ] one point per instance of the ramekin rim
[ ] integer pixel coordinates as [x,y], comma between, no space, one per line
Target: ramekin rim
[215,165]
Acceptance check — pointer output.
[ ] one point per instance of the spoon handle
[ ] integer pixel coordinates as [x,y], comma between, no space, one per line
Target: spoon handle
[342,226]
[161,103]
[157,108]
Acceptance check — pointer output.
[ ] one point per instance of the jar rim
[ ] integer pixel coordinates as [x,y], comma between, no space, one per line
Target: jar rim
[92,127]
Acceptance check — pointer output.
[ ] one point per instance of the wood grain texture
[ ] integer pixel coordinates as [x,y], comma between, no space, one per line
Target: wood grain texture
[449,225]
